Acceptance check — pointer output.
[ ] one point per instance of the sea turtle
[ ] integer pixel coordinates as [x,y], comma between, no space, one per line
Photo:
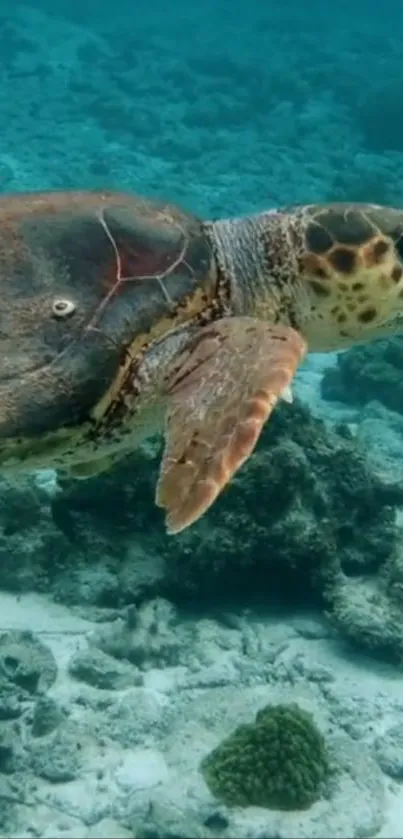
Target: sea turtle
[121,316]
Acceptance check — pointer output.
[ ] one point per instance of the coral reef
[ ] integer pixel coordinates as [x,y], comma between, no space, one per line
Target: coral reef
[81,757]
[306,509]
[26,663]
[279,761]
[368,372]
[307,519]
[146,636]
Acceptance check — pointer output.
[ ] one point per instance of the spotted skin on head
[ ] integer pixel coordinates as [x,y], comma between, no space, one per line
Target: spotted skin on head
[334,271]
[350,259]
[225,387]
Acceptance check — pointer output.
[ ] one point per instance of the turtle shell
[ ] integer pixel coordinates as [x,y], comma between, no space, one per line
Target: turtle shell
[84,278]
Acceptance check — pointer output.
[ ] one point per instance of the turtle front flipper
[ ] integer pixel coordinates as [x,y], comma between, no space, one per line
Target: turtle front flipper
[224,387]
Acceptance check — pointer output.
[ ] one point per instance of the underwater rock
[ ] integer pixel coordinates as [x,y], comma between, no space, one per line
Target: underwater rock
[33,551]
[356,777]
[21,504]
[146,637]
[11,794]
[13,758]
[368,372]
[57,757]
[141,769]
[389,751]
[101,671]
[47,715]
[108,829]
[306,505]
[141,574]
[169,824]
[135,716]
[368,617]
[10,701]
[7,752]
[306,512]
[379,431]
[353,795]
[25,662]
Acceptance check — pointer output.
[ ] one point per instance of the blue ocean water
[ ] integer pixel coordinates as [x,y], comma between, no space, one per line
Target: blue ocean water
[225,106]
[126,656]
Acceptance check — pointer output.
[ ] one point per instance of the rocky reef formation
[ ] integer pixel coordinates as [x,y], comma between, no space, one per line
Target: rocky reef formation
[307,521]
[105,728]
[366,373]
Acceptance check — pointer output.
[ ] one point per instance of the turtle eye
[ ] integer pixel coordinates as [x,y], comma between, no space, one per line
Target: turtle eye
[63,308]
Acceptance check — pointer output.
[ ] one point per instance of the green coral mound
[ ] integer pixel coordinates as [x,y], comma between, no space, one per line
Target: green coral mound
[278,762]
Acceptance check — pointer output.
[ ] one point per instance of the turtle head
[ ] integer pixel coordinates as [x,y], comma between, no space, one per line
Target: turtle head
[86,280]
[332,271]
